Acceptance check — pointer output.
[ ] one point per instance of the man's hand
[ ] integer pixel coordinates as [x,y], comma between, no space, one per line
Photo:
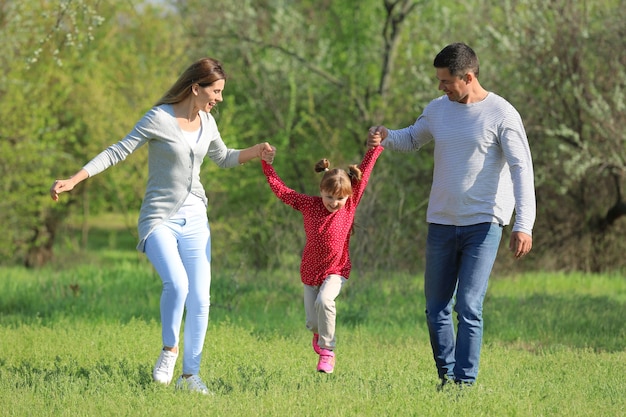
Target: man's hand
[520,244]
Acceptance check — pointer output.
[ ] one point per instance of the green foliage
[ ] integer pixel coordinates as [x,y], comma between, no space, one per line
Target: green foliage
[74,85]
[310,85]
[310,77]
[568,82]
[27,117]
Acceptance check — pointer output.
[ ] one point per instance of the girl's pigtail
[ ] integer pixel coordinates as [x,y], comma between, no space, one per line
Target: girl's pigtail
[322,165]
[354,173]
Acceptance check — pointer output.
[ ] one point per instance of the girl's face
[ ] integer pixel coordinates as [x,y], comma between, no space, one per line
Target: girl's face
[208,97]
[332,202]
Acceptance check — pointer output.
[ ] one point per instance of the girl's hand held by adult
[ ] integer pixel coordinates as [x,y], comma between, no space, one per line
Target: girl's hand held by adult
[375,135]
[268,154]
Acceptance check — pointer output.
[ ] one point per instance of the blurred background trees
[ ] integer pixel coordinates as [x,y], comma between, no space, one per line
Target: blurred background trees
[310,77]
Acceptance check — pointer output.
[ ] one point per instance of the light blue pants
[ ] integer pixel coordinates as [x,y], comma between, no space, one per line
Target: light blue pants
[321,313]
[180,251]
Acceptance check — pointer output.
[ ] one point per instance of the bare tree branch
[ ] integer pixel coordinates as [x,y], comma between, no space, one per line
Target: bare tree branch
[307,63]
[391,32]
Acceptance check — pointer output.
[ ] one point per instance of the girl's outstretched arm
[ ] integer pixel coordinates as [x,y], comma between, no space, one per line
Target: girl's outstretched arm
[366,166]
[284,193]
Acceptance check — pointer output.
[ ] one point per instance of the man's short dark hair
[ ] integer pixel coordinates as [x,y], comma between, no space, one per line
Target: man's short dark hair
[458,58]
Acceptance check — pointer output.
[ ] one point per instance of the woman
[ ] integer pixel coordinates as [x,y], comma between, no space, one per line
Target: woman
[173,224]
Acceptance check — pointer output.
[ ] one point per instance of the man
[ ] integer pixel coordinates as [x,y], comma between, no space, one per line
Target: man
[482,171]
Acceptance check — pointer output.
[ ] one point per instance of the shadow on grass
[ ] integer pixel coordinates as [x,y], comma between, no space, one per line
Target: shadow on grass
[69,372]
[579,321]
[267,303]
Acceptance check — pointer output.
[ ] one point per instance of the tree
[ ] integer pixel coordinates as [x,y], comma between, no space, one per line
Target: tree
[72,83]
[307,76]
[311,77]
[572,92]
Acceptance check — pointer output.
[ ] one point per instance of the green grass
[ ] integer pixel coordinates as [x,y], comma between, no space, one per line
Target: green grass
[81,341]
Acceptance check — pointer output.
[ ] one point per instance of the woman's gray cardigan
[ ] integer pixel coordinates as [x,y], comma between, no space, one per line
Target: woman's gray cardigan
[173,166]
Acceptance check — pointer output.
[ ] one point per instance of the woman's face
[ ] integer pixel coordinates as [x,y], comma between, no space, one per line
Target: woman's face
[208,97]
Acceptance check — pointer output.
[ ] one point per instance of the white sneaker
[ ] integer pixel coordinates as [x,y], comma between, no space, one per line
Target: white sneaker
[164,369]
[193,383]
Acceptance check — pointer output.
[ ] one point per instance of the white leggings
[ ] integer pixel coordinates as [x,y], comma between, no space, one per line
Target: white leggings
[321,313]
[180,251]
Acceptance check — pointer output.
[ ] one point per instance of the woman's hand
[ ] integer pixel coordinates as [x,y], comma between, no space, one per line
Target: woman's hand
[61,186]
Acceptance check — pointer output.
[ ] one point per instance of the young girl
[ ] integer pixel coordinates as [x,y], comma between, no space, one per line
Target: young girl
[326,265]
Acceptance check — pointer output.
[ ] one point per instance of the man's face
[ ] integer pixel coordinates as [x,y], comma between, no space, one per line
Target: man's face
[456,88]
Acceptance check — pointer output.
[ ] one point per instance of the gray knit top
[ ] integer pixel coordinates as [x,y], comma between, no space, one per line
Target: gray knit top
[483,166]
[173,164]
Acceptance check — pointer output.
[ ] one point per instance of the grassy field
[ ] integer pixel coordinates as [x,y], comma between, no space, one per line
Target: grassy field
[81,341]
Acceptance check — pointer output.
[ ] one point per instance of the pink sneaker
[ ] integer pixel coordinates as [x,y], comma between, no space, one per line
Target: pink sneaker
[316,347]
[326,363]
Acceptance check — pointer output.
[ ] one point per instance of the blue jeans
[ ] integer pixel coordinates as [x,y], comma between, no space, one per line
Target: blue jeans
[459,260]
[180,251]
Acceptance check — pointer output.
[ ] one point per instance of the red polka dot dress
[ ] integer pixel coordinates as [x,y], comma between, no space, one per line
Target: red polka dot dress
[326,250]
